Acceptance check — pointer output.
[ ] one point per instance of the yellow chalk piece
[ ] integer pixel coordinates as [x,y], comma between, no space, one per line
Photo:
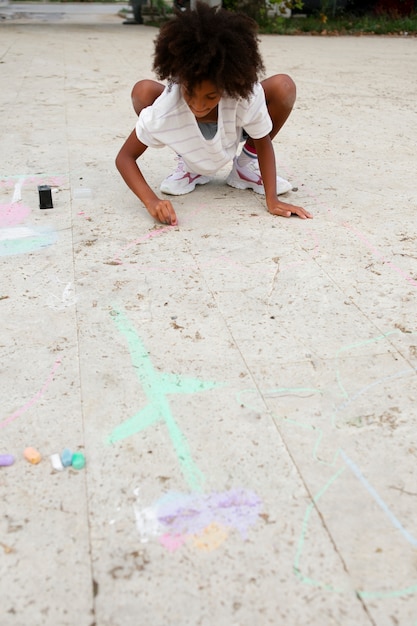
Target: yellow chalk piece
[32,455]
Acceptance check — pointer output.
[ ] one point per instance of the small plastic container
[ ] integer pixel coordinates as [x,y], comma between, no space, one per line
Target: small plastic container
[82,193]
[45,197]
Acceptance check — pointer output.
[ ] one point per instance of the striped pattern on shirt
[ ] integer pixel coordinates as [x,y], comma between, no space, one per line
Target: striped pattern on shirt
[169,122]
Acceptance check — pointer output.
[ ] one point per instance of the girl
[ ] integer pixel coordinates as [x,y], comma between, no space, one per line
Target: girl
[212,102]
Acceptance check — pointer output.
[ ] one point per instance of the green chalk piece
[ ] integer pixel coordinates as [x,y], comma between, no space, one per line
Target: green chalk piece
[78,460]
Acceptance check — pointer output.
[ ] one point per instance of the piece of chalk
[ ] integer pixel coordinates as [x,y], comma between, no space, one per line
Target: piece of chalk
[6,459]
[78,460]
[56,462]
[32,455]
[66,457]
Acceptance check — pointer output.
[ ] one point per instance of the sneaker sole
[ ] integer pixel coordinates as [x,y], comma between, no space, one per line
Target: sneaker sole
[237,183]
[190,187]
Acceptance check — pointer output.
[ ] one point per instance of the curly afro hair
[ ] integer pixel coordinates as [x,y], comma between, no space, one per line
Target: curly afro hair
[212,44]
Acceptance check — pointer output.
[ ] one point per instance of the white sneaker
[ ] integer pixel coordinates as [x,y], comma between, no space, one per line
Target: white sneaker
[249,177]
[181,181]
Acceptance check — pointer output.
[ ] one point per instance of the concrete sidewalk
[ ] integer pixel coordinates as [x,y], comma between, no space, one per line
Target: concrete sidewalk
[243,386]
[92,13]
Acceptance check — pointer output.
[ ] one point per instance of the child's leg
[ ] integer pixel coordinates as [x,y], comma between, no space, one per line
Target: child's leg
[280,93]
[144,93]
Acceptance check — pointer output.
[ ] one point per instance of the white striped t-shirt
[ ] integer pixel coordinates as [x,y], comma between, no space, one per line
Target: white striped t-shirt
[169,122]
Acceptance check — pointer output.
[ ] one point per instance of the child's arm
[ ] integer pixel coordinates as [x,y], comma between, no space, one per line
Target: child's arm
[266,158]
[132,149]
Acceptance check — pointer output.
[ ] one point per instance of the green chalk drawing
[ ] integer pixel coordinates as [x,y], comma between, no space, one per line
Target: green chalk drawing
[395,593]
[356,345]
[301,541]
[10,247]
[157,387]
[339,454]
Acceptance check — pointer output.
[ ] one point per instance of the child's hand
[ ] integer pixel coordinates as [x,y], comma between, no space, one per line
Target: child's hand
[163,211]
[284,209]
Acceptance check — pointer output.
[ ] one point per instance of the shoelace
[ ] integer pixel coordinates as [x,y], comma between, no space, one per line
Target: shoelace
[180,169]
[254,166]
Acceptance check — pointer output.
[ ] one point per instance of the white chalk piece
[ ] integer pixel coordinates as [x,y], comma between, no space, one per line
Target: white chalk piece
[56,462]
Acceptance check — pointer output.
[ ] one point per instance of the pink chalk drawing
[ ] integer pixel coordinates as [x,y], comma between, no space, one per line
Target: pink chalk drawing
[117,260]
[29,404]
[203,521]
[172,542]
[155,233]
[16,239]
[13,214]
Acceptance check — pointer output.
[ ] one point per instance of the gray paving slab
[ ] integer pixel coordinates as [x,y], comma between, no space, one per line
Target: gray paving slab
[243,386]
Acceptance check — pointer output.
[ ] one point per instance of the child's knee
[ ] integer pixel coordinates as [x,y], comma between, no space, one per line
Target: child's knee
[281,90]
[144,93]
[139,92]
[286,89]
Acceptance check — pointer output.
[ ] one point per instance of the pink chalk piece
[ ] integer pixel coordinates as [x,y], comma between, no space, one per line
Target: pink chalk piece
[32,455]
[172,542]
[13,214]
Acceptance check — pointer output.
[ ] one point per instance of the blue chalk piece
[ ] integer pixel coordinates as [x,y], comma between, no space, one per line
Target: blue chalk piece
[66,457]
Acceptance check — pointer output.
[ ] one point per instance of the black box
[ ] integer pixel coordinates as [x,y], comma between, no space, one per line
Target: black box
[45,197]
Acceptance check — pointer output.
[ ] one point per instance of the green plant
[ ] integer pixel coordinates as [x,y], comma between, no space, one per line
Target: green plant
[328,8]
[345,24]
